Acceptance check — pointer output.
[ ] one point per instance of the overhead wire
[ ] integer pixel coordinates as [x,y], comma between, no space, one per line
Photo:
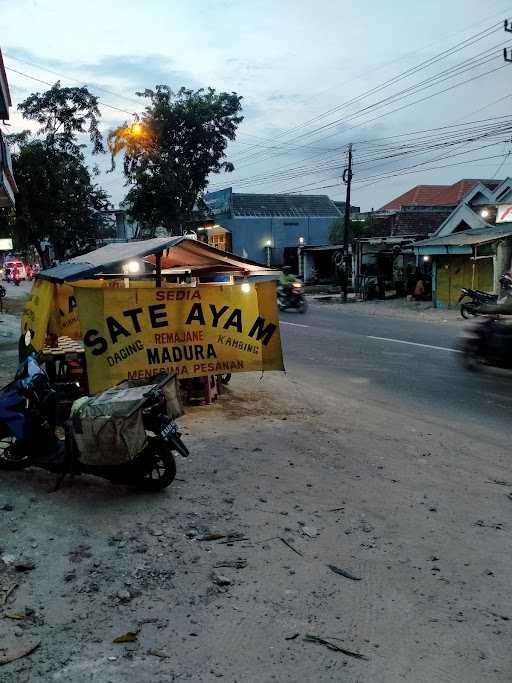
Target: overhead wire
[39,80]
[405,74]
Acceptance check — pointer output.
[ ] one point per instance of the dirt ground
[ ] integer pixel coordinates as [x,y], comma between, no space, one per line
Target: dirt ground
[291,480]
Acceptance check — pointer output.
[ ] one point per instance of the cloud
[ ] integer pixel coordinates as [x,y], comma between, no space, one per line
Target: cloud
[142,72]
[124,73]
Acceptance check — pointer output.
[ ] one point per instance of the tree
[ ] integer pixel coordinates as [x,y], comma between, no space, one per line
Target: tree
[58,200]
[356,229]
[64,113]
[168,155]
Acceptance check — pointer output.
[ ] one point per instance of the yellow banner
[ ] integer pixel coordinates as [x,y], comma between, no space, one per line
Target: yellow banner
[136,333]
[64,320]
[37,312]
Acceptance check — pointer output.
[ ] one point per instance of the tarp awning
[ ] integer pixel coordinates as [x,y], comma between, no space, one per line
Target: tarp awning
[176,252]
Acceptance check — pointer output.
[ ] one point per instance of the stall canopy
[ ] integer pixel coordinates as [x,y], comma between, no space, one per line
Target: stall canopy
[175,253]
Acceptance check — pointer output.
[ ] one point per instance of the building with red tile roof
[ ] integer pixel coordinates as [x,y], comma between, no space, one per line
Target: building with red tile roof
[437,195]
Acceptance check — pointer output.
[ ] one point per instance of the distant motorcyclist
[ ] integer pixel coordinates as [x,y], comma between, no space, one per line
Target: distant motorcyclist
[286,280]
[15,276]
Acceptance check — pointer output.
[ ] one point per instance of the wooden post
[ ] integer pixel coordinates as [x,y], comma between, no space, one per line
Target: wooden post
[158,269]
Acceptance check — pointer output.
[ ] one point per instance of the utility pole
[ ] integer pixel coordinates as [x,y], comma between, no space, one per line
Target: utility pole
[347,179]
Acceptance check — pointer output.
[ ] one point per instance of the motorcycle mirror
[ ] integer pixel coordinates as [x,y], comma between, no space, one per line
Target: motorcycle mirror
[28,338]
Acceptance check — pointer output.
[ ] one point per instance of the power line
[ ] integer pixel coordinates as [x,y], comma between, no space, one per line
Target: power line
[407,73]
[417,143]
[39,80]
[70,78]
[459,163]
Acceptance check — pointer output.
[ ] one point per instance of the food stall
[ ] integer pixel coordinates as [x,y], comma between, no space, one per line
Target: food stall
[132,310]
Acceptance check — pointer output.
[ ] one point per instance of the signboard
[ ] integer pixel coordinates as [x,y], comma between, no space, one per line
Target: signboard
[37,312]
[137,333]
[504,213]
[5,244]
[64,320]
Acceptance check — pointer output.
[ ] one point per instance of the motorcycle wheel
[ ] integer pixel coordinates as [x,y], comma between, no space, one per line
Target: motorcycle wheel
[467,311]
[11,454]
[304,307]
[158,468]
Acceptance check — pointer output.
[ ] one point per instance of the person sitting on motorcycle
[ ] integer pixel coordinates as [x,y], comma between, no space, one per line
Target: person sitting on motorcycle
[504,304]
[286,280]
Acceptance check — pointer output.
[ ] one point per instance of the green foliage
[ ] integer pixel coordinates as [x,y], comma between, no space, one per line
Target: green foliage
[64,113]
[356,229]
[180,140]
[57,198]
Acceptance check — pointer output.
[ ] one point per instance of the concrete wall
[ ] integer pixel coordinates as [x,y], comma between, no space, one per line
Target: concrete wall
[250,233]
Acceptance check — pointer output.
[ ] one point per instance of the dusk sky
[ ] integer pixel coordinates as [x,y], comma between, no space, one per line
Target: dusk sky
[292,61]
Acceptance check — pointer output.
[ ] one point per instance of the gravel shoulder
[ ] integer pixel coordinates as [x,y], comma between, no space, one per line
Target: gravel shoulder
[294,480]
[393,308]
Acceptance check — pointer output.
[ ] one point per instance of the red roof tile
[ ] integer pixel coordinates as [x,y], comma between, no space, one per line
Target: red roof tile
[437,195]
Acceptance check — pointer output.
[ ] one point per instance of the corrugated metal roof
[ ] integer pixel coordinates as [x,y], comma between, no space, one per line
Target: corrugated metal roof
[102,259]
[176,252]
[122,251]
[285,205]
[68,271]
[466,237]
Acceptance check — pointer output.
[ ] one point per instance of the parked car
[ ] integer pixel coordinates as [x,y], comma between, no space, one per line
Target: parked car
[19,265]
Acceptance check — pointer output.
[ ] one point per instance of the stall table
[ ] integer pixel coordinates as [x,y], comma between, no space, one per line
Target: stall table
[66,361]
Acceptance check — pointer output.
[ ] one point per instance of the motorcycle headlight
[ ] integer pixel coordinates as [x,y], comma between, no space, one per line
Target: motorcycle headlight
[296,285]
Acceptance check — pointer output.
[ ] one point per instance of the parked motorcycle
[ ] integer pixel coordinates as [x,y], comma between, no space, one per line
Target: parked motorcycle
[477,297]
[487,341]
[292,296]
[28,410]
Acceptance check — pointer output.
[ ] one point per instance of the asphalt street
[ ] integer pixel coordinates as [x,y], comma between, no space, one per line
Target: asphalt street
[410,365]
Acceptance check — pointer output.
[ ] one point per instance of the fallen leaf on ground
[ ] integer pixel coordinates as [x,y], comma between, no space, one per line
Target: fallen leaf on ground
[309,531]
[211,537]
[16,615]
[295,635]
[18,652]
[7,592]
[24,565]
[343,572]
[157,653]
[291,547]
[233,564]
[308,638]
[128,637]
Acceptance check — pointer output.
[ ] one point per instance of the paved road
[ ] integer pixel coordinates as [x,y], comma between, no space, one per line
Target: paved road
[355,356]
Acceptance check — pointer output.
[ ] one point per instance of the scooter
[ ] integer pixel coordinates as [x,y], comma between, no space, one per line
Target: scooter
[28,409]
[292,297]
[470,308]
[487,341]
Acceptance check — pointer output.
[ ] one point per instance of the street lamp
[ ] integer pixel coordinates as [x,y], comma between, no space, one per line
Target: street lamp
[484,213]
[299,257]
[268,252]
